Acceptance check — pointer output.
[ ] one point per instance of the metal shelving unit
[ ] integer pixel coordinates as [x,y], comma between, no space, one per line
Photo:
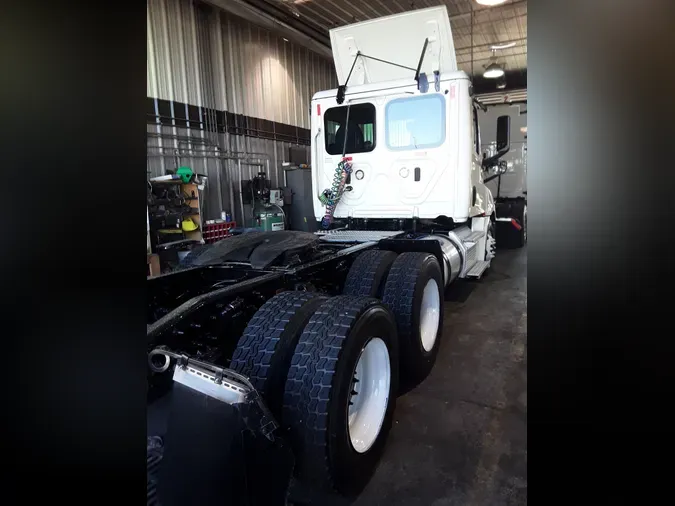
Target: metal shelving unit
[167,227]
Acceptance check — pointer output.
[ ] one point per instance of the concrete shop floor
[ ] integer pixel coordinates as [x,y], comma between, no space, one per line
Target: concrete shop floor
[460,437]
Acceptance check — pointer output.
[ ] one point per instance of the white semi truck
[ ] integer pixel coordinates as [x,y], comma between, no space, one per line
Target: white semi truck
[282,353]
[406,126]
[509,184]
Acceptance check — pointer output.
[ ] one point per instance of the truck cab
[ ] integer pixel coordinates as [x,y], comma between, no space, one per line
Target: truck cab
[407,122]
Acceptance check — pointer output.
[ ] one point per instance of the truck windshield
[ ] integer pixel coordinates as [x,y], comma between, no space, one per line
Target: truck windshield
[360,131]
[416,122]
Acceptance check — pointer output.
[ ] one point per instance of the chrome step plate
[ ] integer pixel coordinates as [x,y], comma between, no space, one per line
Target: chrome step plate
[205,382]
[355,235]
[478,269]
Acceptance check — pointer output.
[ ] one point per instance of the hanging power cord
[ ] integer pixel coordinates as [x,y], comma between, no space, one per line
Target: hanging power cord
[331,197]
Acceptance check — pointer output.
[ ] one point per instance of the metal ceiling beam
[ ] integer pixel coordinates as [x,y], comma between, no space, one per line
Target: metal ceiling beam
[475,60]
[310,6]
[468,48]
[499,57]
[492,21]
[492,9]
[277,20]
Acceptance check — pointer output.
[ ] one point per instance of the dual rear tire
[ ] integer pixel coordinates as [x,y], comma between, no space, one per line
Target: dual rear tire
[414,293]
[328,367]
[338,393]
[341,392]
[411,285]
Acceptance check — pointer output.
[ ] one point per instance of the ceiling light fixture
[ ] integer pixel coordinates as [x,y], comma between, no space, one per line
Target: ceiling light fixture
[490,3]
[503,46]
[494,69]
[285,39]
[291,7]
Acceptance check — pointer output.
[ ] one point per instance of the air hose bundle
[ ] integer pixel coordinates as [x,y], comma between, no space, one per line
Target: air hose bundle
[331,196]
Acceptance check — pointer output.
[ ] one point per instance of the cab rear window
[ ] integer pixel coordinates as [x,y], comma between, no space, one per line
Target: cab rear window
[415,122]
[359,130]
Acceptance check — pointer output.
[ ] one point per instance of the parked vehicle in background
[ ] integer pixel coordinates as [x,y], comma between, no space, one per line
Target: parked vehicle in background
[509,185]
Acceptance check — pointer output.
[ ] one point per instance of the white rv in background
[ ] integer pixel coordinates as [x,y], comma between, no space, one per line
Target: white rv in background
[509,183]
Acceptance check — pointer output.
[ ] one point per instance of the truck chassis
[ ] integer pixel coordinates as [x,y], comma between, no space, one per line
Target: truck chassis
[283,352]
[292,295]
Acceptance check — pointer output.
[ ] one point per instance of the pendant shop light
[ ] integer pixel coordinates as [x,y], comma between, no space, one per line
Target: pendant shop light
[493,70]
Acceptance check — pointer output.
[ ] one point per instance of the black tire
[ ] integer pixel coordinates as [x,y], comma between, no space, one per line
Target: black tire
[403,293]
[368,273]
[318,391]
[266,347]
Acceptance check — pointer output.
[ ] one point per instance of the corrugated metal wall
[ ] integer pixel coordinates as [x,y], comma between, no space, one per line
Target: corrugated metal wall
[205,57]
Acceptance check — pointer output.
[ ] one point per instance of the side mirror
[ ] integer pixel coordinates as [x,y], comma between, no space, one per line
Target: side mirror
[503,133]
[503,141]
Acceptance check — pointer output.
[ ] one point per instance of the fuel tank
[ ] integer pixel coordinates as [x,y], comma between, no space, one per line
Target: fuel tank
[453,259]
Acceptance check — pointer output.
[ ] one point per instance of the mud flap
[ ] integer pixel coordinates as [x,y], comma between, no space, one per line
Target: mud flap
[216,453]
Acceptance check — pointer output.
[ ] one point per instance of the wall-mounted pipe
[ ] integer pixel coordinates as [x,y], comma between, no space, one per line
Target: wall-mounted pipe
[185,138]
[197,140]
[173,155]
[198,152]
[246,131]
[241,194]
[219,182]
[202,154]
[231,187]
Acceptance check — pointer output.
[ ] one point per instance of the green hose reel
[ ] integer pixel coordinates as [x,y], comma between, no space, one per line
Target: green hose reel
[185,174]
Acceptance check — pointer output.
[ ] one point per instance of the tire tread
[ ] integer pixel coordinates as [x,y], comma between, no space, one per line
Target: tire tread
[258,349]
[399,297]
[309,383]
[400,288]
[366,273]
